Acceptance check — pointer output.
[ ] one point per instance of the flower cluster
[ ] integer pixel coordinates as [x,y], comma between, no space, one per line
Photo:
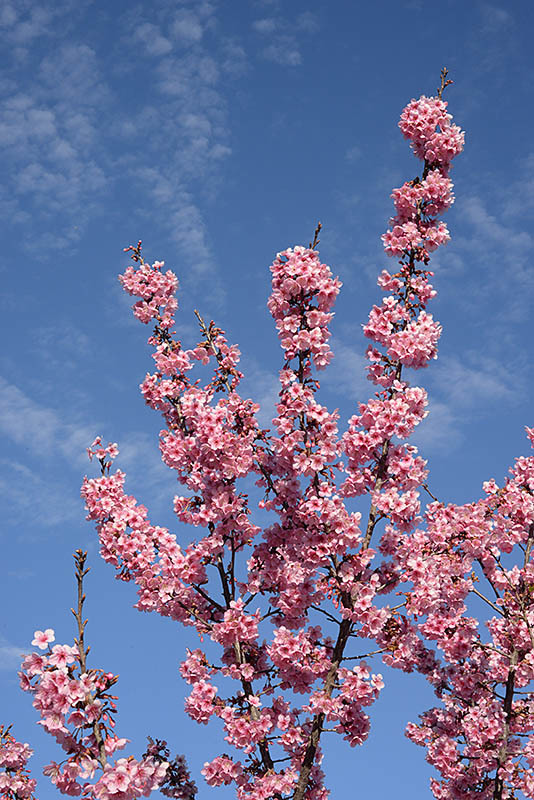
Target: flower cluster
[402,332]
[212,440]
[177,782]
[15,781]
[426,123]
[156,290]
[101,453]
[129,778]
[77,709]
[303,293]
[483,737]
[415,228]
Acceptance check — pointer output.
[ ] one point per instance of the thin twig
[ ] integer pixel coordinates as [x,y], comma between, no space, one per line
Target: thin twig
[80,558]
[488,601]
[427,490]
[316,239]
[365,655]
[443,82]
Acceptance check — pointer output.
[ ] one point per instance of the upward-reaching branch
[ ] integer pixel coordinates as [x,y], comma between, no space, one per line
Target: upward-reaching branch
[80,557]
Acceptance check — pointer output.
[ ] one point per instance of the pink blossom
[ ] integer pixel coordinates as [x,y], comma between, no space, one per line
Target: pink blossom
[42,638]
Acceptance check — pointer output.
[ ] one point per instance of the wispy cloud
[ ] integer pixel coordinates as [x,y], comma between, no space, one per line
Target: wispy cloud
[23,22]
[280,37]
[265,25]
[154,43]
[49,132]
[475,381]
[60,346]
[187,115]
[495,18]
[36,485]
[308,22]
[40,429]
[57,441]
[440,431]
[35,498]
[72,137]
[519,196]
[346,375]
[263,387]
[353,153]
[10,655]
[39,488]
[468,388]
[503,247]
[495,43]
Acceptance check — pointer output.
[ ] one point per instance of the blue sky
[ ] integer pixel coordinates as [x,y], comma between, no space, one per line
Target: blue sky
[219,133]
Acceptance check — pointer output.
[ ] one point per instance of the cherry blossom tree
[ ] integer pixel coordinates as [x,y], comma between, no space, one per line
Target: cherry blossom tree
[299,609]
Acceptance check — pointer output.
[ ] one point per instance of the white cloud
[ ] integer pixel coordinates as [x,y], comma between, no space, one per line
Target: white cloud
[72,76]
[154,42]
[488,224]
[263,387]
[25,422]
[495,18]
[233,59]
[474,381]
[23,25]
[189,131]
[265,25]
[8,15]
[346,374]
[281,43]
[519,195]
[61,346]
[440,430]
[308,22]
[184,222]
[10,655]
[35,497]
[467,388]
[59,128]
[48,494]
[503,245]
[48,129]
[353,153]
[188,230]
[285,51]
[41,430]
[187,26]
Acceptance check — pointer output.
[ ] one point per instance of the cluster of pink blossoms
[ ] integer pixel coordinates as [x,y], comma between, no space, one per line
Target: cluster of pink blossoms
[212,439]
[298,276]
[77,709]
[482,739]
[427,125]
[314,560]
[15,781]
[155,289]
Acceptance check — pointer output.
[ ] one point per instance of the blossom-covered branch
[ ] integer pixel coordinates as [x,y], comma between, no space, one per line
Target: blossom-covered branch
[77,709]
[238,583]
[482,739]
[15,780]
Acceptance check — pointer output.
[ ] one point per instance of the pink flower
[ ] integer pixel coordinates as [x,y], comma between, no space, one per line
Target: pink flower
[62,655]
[221,771]
[42,638]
